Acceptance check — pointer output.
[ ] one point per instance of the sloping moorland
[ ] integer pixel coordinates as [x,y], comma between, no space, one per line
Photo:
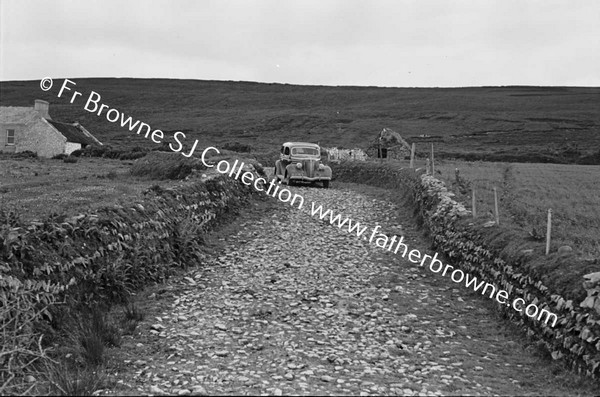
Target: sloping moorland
[539,124]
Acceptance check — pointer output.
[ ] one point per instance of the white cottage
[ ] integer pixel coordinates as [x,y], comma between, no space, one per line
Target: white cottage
[24,128]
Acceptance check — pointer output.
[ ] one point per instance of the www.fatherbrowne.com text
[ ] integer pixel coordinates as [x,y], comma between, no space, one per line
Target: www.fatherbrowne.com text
[395,245]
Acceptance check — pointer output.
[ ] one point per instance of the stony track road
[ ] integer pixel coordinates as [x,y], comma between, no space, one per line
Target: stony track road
[293,305]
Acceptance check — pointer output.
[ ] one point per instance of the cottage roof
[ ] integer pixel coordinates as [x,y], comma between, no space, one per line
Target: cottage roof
[74,133]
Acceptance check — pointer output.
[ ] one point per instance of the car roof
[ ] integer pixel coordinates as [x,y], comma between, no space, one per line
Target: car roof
[301,144]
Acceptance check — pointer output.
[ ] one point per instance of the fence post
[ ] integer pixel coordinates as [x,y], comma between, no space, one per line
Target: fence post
[473,204]
[432,161]
[496,206]
[427,166]
[548,231]
[412,156]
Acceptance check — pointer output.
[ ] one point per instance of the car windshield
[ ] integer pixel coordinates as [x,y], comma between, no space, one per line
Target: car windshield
[307,151]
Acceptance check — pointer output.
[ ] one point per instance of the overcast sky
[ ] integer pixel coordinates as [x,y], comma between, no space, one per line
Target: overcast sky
[402,43]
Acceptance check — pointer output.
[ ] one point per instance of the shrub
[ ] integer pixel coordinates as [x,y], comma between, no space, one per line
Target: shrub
[70,159]
[8,218]
[95,150]
[92,348]
[267,159]
[26,154]
[237,147]
[163,147]
[77,152]
[60,156]
[163,165]
[52,270]
[95,332]
[133,155]
[259,168]
[22,306]
[592,159]
[132,312]
[67,381]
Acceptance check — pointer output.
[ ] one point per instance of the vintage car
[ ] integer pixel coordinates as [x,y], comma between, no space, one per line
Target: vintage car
[301,162]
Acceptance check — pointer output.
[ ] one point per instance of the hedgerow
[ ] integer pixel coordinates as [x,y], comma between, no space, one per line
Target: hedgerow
[98,258]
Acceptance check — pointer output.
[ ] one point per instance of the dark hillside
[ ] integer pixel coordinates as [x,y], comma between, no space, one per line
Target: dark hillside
[558,124]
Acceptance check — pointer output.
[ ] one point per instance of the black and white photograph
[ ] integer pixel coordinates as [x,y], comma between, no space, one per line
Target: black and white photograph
[300,197]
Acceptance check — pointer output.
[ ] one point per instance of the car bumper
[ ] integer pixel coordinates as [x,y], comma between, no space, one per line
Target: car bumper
[309,179]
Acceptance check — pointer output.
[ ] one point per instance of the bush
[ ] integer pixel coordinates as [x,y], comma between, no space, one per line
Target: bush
[259,168]
[26,154]
[22,306]
[133,155]
[267,159]
[67,381]
[50,271]
[70,159]
[237,147]
[592,159]
[77,152]
[110,153]
[132,312]
[96,150]
[163,165]
[60,156]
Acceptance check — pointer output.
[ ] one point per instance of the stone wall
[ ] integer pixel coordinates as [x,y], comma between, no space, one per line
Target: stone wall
[345,154]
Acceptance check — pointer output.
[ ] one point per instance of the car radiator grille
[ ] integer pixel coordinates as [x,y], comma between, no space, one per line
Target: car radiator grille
[309,167]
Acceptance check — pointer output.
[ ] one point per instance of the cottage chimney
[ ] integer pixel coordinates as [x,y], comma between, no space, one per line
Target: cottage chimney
[42,108]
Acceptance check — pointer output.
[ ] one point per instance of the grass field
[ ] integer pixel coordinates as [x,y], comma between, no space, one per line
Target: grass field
[557,124]
[525,193]
[36,188]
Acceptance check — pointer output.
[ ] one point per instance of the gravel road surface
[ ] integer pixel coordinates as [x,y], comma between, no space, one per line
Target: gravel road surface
[292,305]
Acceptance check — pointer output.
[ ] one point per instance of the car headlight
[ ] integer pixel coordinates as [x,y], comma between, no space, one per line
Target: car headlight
[321,167]
[299,165]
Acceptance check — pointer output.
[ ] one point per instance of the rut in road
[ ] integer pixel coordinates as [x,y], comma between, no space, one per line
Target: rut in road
[294,305]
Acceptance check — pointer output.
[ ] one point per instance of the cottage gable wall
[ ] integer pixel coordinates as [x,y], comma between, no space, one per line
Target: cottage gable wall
[40,137]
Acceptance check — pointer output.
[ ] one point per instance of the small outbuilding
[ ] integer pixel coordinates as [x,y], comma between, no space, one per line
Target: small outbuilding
[389,144]
[25,128]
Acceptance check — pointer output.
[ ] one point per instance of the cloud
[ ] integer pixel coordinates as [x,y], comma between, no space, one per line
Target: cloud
[391,43]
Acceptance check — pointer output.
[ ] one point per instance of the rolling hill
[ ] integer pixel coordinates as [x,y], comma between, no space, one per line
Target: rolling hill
[516,123]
